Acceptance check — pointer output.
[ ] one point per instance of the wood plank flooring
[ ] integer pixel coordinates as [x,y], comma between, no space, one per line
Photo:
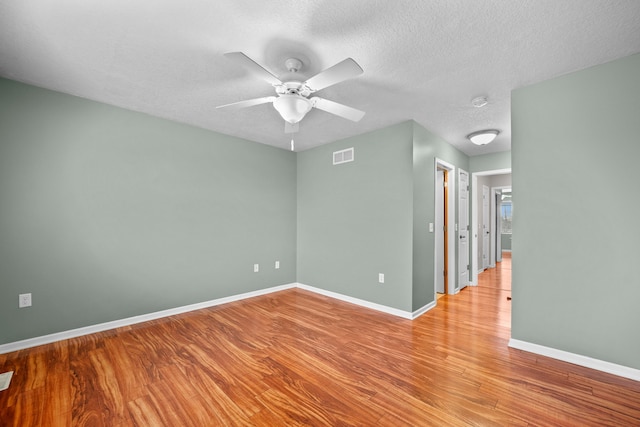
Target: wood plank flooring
[295,358]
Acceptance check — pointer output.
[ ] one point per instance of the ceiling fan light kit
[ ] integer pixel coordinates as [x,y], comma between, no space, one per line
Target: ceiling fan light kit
[292,108]
[483,137]
[292,101]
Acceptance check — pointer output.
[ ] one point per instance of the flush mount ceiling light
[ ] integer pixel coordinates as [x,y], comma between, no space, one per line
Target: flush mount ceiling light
[483,137]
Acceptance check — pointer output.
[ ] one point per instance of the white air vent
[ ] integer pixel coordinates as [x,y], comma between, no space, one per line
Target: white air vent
[343,156]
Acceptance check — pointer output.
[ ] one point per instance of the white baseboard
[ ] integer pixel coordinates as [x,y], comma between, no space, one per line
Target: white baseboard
[419,312]
[73,333]
[577,359]
[357,301]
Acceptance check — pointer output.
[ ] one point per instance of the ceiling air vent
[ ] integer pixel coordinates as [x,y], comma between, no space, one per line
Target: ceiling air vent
[343,156]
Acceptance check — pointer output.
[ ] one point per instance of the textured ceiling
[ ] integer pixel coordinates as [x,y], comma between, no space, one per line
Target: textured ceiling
[423,60]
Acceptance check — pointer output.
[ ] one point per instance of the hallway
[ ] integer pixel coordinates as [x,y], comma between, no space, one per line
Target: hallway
[498,277]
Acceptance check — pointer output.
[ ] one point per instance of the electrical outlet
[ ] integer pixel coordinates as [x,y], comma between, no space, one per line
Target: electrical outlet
[277,265]
[381,277]
[24,300]
[256,268]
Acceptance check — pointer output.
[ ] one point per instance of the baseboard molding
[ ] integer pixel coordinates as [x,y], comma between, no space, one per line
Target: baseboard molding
[577,359]
[357,301]
[419,312]
[73,333]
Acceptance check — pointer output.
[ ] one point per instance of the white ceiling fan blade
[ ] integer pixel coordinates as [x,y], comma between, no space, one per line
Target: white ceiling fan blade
[337,109]
[291,128]
[253,67]
[341,71]
[248,103]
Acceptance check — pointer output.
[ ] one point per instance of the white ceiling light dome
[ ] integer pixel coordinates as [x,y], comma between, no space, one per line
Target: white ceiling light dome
[292,108]
[483,137]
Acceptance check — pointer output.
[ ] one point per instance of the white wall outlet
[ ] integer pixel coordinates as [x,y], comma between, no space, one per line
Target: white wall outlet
[381,277]
[256,268]
[430,227]
[24,300]
[277,265]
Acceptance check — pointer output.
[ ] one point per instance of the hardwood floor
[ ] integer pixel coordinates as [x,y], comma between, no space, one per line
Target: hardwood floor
[295,358]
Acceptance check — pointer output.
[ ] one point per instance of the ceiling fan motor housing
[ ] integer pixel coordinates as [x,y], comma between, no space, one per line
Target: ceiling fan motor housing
[293,88]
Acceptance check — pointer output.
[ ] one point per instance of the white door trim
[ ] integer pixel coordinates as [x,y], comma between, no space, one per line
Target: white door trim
[486,223]
[498,225]
[463,263]
[451,220]
[439,267]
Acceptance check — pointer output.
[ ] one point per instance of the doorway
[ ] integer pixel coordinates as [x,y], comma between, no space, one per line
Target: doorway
[463,228]
[444,238]
[441,252]
[493,179]
[486,228]
[500,222]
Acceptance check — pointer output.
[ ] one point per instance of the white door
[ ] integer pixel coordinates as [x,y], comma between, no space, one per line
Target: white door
[463,228]
[486,227]
[439,230]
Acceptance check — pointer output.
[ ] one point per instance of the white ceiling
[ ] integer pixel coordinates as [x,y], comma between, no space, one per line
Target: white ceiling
[422,59]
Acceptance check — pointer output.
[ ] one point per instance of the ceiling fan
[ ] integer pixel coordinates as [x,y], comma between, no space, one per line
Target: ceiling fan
[292,96]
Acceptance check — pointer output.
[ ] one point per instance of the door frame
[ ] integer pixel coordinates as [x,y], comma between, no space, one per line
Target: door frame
[486,222]
[474,219]
[440,232]
[451,280]
[459,283]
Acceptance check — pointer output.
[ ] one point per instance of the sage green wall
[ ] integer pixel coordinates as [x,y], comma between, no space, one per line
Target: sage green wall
[490,162]
[506,242]
[107,213]
[575,157]
[371,216]
[427,146]
[355,219]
